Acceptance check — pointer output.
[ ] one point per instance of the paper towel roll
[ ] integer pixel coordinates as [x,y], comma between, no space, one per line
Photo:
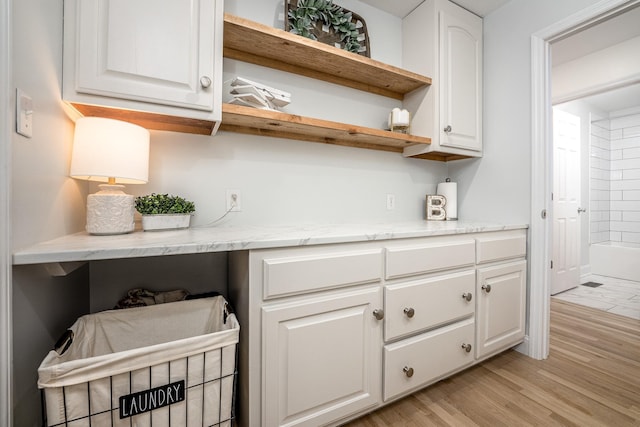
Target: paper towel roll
[450,191]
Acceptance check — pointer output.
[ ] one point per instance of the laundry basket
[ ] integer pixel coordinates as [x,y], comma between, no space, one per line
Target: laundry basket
[170,364]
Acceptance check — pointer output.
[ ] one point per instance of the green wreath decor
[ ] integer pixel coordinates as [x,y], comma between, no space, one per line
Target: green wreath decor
[303,20]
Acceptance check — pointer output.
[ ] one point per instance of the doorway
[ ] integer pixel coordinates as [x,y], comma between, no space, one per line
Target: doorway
[542,158]
[608,218]
[610,273]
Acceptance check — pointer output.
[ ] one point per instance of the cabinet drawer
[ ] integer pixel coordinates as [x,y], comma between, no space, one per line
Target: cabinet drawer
[294,275]
[431,356]
[405,261]
[419,305]
[496,248]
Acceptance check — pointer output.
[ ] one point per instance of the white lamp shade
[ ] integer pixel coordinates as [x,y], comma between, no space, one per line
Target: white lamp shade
[107,148]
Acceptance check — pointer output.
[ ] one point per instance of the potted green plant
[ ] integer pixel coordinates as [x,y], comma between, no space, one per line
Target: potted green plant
[164,211]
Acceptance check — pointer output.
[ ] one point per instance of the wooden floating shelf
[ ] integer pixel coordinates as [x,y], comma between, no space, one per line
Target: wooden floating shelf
[253,121]
[149,120]
[249,41]
[441,157]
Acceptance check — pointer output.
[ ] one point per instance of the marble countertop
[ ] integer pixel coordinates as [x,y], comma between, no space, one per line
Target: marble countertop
[85,247]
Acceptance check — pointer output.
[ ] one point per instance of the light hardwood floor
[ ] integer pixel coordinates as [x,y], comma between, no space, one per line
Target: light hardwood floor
[591,378]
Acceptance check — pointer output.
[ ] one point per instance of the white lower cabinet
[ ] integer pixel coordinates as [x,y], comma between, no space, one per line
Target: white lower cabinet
[313,352]
[415,362]
[501,307]
[321,358]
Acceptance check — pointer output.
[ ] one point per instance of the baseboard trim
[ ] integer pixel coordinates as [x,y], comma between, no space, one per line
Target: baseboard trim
[524,347]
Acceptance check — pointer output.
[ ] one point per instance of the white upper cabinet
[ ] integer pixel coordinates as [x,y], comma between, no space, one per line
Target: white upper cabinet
[158,57]
[445,41]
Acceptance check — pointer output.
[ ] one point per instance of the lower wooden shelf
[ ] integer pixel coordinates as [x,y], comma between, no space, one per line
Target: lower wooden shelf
[149,120]
[253,121]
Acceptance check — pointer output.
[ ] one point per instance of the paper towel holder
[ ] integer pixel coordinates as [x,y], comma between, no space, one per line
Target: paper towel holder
[451,211]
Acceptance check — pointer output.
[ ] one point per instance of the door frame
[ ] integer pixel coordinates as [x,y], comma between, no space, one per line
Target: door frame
[542,164]
[5,215]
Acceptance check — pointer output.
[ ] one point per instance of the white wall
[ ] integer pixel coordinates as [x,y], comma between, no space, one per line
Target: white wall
[614,66]
[498,186]
[283,181]
[45,203]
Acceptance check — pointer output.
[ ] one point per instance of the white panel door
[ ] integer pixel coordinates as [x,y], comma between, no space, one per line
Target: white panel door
[321,358]
[145,50]
[501,309]
[460,82]
[565,273]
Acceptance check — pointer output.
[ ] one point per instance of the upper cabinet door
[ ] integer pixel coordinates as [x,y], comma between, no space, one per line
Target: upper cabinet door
[460,81]
[443,40]
[145,50]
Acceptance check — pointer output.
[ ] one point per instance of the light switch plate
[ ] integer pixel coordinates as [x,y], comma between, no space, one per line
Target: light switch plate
[24,114]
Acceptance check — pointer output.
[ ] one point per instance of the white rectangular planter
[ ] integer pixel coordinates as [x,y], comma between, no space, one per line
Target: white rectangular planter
[165,221]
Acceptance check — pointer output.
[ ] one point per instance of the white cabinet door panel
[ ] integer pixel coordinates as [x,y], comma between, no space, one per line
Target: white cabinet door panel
[322,358]
[461,82]
[145,51]
[501,296]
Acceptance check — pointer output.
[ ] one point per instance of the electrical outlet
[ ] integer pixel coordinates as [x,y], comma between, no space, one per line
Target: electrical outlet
[391,202]
[233,201]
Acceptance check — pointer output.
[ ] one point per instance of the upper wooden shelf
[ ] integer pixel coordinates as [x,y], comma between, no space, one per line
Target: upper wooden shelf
[253,121]
[260,44]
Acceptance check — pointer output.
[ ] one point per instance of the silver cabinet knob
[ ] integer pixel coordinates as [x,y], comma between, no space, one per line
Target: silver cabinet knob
[447,129]
[410,312]
[466,347]
[486,288]
[378,313]
[205,82]
[468,296]
[408,371]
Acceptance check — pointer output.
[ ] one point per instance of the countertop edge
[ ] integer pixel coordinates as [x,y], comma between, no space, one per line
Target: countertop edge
[85,247]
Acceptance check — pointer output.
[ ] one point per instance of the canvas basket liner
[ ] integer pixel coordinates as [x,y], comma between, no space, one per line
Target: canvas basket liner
[134,340]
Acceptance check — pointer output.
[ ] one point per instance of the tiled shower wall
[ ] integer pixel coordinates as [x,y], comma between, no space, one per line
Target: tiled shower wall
[600,176]
[615,180]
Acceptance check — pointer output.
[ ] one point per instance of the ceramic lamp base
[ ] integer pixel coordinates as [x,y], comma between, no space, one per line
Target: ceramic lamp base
[110,211]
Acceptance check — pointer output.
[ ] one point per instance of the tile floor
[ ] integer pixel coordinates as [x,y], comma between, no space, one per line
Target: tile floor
[615,296]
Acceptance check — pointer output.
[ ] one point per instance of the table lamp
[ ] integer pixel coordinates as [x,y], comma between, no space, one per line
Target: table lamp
[114,152]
